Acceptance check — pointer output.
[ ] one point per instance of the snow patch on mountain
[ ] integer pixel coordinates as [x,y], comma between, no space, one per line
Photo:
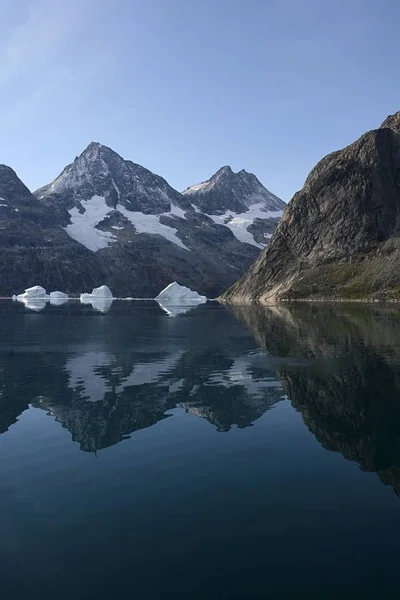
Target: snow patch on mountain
[239,222]
[151,224]
[83,225]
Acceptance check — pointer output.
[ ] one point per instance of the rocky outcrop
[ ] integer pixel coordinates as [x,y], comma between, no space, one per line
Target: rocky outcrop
[339,236]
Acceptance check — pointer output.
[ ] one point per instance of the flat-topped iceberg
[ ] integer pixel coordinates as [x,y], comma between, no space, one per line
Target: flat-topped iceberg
[58,298]
[179,294]
[101,298]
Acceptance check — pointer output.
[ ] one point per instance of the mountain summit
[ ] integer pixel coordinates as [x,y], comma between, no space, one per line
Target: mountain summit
[99,171]
[339,236]
[236,192]
[240,202]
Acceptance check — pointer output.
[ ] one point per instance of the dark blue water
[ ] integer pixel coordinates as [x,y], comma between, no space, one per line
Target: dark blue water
[246,453]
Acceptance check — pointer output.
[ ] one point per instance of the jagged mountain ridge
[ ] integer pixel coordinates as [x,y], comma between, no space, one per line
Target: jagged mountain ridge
[339,235]
[115,222]
[96,172]
[239,201]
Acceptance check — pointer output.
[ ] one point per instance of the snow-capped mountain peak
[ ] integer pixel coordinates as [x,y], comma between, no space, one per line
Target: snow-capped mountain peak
[99,171]
[145,231]
[237,192]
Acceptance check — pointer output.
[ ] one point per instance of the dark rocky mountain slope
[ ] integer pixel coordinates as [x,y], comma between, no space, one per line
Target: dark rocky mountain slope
[339,236]
[142,232]
[108,220]
[34,248]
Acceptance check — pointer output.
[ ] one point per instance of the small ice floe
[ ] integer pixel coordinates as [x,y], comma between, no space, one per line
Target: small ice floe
[177,299]
[101,298]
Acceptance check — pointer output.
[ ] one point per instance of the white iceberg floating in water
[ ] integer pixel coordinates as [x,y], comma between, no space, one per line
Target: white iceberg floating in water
[58,298]
[177,299]
[36,291]
[180,293]
[34,298]
[101,298]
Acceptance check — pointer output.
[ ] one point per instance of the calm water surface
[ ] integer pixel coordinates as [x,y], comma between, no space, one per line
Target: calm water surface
[217,454]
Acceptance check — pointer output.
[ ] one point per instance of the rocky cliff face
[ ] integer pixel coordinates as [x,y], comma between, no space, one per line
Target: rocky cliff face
[108,220]
[339,236]
[33,245]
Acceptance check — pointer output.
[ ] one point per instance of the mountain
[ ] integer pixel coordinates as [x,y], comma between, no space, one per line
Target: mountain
[34,247]
[339,236]
[239,201]
[143,233]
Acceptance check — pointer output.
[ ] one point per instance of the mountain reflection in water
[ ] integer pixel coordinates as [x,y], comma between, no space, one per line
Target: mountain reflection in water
[104,378]
[349,394]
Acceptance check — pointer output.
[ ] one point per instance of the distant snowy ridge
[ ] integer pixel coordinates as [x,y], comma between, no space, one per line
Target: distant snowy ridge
[240,202]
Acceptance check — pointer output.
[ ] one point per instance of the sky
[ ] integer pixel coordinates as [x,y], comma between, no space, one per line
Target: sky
[184,87]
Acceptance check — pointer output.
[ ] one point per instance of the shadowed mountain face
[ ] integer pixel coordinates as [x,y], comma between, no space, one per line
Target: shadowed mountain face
[143,234]
[348,386]
[34,248]
[339,235]
[103,377]
[106,220]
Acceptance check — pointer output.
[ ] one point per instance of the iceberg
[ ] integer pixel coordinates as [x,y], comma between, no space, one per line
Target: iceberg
[101,292]
[34,298]
[36,291]
[101,298]
[58,298]
[179,294]
[177,299]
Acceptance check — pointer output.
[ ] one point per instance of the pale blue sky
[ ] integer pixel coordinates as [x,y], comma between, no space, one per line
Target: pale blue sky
[186,86]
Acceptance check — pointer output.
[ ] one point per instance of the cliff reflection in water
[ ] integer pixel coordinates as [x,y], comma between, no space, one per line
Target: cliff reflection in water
[104,377]
[349,394]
